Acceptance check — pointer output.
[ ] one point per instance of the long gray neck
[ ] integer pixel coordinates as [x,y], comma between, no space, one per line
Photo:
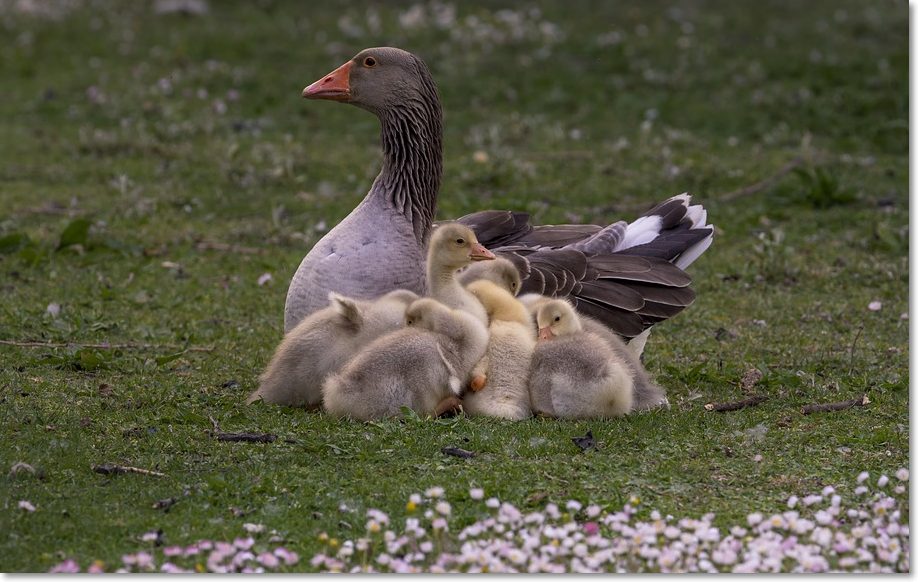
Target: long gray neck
[412,141]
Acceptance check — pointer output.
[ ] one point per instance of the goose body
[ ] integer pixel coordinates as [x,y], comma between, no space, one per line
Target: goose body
[418,367]
[347,261]
[628,276]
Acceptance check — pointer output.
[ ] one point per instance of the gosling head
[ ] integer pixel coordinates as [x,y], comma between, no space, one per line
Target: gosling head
[500,270]
[454,245]
[557,318]
[491,295]
[426,313]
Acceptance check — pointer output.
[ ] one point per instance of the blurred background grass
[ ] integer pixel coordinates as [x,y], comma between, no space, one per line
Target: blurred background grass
[158,163]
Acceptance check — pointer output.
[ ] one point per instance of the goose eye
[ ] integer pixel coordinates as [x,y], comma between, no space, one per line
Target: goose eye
[369,62]
[460,241]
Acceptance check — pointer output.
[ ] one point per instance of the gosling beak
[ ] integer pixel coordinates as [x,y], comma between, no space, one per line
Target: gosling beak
[335,86]
[545,333]
[479,253]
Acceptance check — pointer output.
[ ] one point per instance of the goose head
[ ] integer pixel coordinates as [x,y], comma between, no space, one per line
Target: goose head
[376,79]
[557,318]
[453,246]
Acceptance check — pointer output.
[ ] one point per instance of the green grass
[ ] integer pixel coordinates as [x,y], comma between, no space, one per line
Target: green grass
[705,97]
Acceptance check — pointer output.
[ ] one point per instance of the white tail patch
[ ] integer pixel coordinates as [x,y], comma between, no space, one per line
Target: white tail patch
[641,231]
[694,251]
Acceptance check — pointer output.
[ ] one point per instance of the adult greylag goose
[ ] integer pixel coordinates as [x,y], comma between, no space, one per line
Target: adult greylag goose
[629,276]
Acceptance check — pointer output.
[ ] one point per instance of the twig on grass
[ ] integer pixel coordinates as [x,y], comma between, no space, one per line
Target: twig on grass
[242,437]
[245,437]
[737,405]
[835,406]
[457,452]
[762,184]
[854,345]
[105,346]
[113,469]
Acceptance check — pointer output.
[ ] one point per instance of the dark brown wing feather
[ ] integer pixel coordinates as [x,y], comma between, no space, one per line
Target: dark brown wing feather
[628,290]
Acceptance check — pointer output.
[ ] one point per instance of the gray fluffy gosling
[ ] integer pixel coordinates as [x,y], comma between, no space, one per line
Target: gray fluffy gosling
[421,366]
[575,374]
[323,342]
[647,394]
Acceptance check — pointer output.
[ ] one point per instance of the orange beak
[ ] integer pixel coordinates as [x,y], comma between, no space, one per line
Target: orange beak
[545,333]
[479,253]
[335,86]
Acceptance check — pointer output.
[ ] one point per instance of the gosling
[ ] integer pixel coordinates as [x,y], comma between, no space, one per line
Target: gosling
[575,374]
[647,394]
[500,381]
[454,246]
[323,342]
[419,367]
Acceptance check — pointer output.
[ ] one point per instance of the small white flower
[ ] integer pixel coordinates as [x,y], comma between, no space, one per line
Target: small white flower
[253,527]
[875,306]
[434,492]
[443,508]
[860,490]
[594,510]
[476,494]
[754,519]
[493,503]
[573,506]
[882,481]
[415,498]
[863,477]
[792,501]
[902,474]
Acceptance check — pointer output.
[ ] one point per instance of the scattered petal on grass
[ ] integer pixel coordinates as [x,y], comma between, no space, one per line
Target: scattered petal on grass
[476,494]
[866,535]
[253,528]
[875,306]
[264,279]
[53,309]
[26,506]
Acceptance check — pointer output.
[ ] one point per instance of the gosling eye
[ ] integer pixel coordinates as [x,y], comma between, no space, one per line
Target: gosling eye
[557,318]
[369,62]
[460,241]
[409,321]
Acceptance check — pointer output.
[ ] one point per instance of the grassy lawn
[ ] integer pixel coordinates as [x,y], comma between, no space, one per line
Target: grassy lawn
[155,166]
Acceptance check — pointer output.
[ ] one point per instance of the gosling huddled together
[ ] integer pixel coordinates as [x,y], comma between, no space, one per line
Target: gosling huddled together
[471,343]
